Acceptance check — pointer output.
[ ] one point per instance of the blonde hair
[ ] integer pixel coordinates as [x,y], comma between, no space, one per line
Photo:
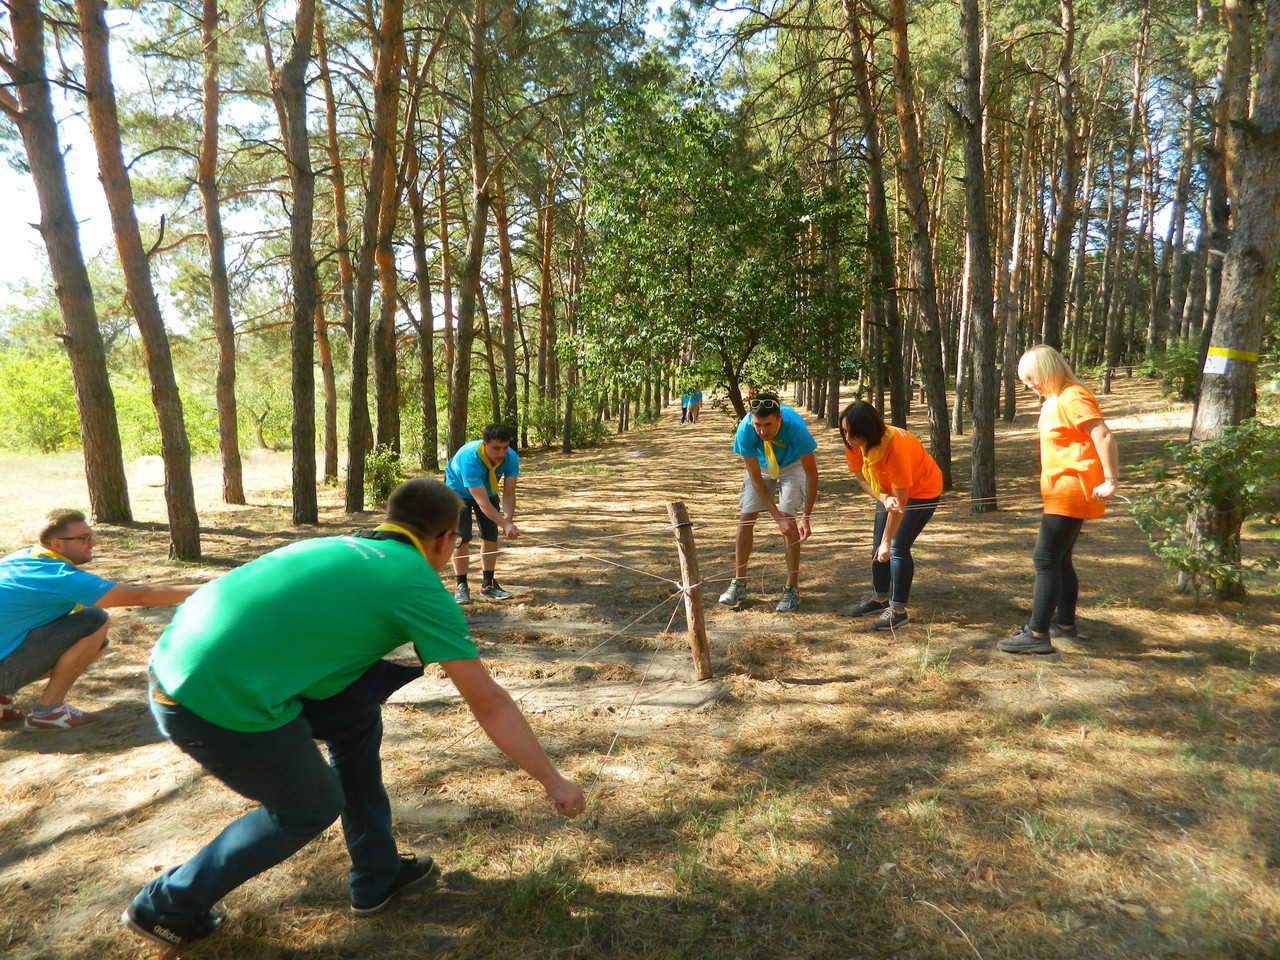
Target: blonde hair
[1045,367]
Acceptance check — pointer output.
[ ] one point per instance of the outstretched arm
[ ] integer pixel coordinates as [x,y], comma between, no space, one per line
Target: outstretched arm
[510,732]
[140,595]
[1109,453]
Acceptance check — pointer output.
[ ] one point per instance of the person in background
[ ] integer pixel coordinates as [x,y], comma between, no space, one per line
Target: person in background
[1079,472]
[781,479]
[473,474]
[53,621]
[892,467]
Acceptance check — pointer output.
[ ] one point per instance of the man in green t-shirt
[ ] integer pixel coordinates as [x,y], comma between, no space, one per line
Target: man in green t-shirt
[287,650]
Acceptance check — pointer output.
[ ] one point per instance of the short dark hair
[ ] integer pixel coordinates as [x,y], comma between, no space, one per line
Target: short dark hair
[56,522]
[426,504]
[765,403]
[863,421]
[496,431]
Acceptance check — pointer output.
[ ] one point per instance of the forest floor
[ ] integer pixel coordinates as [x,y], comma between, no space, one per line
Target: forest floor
[831,793]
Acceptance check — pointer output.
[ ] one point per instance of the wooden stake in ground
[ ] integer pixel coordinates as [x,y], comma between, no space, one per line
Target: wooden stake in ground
[693,593]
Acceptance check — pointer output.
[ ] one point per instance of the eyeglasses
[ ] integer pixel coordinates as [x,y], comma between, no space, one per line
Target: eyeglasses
[83,538]
[457,537]
[763,404]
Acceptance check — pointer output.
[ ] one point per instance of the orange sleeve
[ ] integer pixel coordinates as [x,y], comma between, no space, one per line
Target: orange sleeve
[853,457]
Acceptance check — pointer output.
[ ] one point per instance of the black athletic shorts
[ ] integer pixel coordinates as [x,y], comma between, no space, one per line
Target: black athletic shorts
[488,529]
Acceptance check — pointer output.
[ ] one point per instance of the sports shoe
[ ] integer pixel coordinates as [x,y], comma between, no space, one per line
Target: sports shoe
[735,594]
[1024,641]
[146,924]
[462,593]
[8,712]
[890,619]
[494,592]
[867,605]
[790,601]
[1058,632]
[64,718]
[414,871]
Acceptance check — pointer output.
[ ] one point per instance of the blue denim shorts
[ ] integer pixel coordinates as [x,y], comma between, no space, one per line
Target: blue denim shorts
[44,646]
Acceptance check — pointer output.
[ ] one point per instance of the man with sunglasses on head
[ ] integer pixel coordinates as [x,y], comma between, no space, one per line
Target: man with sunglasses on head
[52,621]
[781,479]
[473,473]
[288,650]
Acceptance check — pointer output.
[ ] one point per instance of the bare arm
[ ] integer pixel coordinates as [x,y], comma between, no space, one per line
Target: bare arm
[810,464]
[139,595]
[893,506]
[1109,453]
[506,726]
[509,497]
[481,496]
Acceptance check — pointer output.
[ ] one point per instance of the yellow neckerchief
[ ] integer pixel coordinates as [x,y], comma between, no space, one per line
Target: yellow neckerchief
[393,528]
[771,458]
[493,469]
[39,550]
[873,455]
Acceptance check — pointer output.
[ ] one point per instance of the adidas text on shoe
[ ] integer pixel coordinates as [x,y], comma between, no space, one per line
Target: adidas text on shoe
[1024,641]
[414,872]
[734,595]
[494,592]
[790,601]
[65,718]
[890,619]
[173,935]
[867,605]
[462,593]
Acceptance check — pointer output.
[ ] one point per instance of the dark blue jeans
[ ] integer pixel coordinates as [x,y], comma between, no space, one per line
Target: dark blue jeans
[1057,587]
[300,794]
[894,578]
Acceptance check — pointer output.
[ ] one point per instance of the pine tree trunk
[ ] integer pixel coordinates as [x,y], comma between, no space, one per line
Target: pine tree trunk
[32,112]
[1060,266]
[219,291]
[982,315]
[446,257]
[330,386]
[928,328]
[506,284]
[184,524]
[341,236]
[430,457]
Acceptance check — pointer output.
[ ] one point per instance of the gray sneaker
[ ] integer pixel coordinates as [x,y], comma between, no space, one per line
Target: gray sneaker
[735,594]
[462,593]
[1024,641]
[790,601]
[494,592]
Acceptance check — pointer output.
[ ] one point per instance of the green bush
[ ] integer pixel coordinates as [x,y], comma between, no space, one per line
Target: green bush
[1240,469]
[383,472]
[38,402]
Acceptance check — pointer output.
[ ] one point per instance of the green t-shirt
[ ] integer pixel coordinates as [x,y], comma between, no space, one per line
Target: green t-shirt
[303,621]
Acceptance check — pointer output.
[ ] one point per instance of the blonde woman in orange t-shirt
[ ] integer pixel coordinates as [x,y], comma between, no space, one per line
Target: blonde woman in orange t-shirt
[892,467]
[1079,472]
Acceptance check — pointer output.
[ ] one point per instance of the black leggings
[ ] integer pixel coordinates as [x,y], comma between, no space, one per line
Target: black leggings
[1056,585]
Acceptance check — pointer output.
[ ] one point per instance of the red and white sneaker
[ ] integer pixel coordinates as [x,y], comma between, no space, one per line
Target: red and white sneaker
[8,712]
[65,718]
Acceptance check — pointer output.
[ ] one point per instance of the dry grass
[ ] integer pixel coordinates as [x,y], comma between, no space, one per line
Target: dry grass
[849,794]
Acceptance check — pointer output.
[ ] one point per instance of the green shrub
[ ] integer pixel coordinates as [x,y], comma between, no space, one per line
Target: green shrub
[1237,469]
[383,472]
[38,402]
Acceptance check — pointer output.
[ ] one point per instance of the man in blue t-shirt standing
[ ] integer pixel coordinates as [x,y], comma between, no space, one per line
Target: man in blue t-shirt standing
[473,474]
[52,621]
[774,439]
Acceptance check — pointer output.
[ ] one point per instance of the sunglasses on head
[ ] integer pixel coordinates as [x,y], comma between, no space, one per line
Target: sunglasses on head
[764,404]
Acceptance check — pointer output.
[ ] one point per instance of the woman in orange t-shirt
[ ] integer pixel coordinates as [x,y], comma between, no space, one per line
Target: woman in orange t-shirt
[1079,471]
[893,467]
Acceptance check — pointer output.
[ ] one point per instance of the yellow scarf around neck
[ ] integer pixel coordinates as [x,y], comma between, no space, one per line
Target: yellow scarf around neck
[40,550]
[393,528]
[771,458]
[873,455]
[493,469]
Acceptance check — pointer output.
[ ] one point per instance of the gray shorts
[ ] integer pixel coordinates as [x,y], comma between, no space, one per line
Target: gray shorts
[44,646]
[790,491]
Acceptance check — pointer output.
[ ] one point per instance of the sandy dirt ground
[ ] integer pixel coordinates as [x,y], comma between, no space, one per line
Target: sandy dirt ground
[930,732]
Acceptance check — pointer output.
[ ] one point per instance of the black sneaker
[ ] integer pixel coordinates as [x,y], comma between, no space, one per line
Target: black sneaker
[146,924]
[1024,641]
[867,605]
[890,619]
[414,872]
[1059,632]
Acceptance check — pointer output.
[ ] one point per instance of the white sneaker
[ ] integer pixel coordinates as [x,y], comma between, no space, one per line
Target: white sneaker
[733,596]
[790,601]
[462,593]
